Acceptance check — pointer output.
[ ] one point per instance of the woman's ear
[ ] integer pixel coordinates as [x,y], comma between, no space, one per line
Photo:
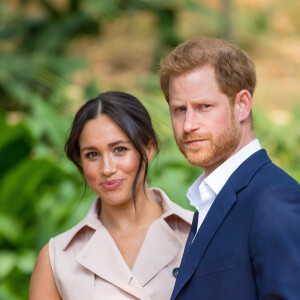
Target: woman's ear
[243,105]
[150,150]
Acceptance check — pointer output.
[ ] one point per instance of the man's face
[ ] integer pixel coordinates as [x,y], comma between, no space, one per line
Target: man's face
[205,125]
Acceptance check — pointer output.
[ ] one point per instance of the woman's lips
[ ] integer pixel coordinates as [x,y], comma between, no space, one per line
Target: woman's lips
[111,184]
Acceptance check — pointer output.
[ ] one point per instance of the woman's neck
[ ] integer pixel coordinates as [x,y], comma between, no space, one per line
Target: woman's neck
[128,216]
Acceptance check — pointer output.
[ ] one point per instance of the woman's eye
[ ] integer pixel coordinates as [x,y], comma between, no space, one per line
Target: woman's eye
[120,149]
[206,106]
[91,155]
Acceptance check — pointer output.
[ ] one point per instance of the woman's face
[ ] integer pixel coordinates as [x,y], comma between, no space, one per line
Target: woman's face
[109,161]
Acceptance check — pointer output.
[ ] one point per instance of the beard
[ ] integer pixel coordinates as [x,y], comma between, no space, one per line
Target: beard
[214,149]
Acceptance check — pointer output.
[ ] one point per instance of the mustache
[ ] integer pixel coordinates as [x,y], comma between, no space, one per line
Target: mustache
[188,137]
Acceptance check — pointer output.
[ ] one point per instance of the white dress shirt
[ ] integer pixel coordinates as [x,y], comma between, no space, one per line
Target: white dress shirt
[204,190]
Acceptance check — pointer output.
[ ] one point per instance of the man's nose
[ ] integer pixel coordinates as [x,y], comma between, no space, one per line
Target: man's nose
[191,121]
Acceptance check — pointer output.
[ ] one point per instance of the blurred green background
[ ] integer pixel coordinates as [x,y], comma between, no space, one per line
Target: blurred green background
[56,54]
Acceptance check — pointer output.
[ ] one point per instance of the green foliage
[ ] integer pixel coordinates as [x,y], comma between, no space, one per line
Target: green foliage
[23,184]
[41,193]
[32,63]
[282,142]
[15,143]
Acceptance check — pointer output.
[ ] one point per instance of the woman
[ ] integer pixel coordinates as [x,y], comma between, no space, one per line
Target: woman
[131,241]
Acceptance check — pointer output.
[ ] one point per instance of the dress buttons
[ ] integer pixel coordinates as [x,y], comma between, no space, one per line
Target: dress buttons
[175,272]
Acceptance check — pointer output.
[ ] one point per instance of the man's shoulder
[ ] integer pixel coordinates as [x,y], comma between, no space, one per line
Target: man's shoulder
[260,174]
[274,175]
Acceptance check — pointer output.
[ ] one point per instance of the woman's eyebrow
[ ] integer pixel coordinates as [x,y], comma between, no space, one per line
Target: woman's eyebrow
[110,145]
[118,142]
[88,148]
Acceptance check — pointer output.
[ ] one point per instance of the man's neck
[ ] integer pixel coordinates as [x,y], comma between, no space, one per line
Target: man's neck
[245,140]
[219,176]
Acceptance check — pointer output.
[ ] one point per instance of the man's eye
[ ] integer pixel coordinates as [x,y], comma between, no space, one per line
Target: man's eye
[181,109]
[206,106]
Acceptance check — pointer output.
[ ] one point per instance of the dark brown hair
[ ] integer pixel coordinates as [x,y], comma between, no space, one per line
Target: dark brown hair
[128,113]
[234,69]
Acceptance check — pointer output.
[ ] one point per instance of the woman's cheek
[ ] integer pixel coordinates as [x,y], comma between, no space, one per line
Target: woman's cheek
[90,172]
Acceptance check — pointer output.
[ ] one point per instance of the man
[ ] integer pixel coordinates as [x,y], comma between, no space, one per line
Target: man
[245,242]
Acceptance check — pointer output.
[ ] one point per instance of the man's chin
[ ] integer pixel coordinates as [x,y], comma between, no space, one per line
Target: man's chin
[193,157]
[196,161]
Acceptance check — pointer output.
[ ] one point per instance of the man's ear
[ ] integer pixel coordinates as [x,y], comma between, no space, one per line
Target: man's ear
[243,105]
[150,150]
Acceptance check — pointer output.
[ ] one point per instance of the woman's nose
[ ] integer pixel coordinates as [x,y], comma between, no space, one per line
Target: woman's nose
[108,166]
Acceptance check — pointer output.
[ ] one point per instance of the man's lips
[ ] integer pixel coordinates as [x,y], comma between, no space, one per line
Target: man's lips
[111,184]
[194,142]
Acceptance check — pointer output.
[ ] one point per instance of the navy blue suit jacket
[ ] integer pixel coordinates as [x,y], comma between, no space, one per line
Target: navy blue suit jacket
[248,246]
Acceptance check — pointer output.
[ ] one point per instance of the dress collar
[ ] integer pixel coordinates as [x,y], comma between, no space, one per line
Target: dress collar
[91,219]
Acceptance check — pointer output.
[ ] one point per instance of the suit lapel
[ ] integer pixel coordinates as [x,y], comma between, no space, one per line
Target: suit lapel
[191,236]
[217,213]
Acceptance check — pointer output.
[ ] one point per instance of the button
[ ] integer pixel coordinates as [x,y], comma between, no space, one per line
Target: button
[175,272]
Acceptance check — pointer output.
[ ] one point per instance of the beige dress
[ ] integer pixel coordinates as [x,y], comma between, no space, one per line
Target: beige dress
[87,264]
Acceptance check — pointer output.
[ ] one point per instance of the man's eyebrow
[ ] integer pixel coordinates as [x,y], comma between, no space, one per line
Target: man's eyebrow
[196,100]
[176,103]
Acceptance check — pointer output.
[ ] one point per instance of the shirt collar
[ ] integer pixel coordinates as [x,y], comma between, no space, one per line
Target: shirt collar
[217,179]
[193,193]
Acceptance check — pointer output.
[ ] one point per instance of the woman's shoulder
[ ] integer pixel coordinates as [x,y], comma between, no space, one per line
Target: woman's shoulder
[89,223]
[42,283]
